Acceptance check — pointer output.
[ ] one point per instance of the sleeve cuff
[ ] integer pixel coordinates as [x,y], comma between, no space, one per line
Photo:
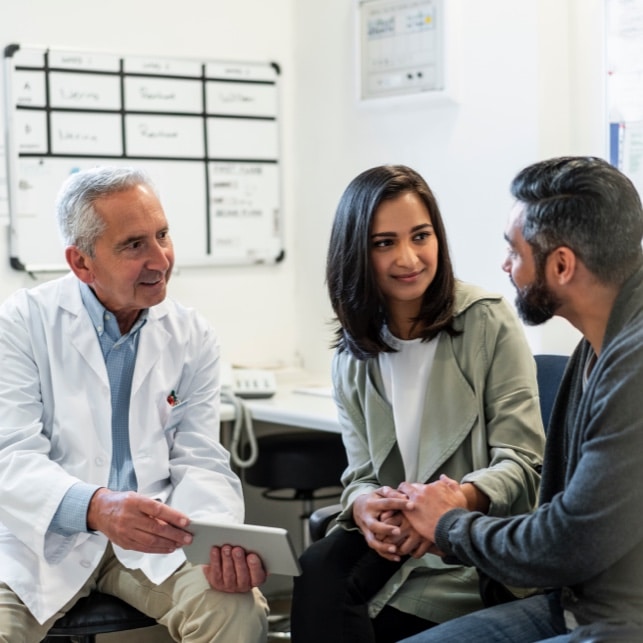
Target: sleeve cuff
[442,534]
[71,516]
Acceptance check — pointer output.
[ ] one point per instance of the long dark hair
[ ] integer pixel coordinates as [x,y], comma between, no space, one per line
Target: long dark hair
[355,297]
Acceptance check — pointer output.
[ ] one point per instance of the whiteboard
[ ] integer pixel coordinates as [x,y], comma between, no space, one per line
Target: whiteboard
[207,132]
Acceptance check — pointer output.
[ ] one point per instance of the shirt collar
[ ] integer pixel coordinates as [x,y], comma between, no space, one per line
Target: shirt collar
[103,319]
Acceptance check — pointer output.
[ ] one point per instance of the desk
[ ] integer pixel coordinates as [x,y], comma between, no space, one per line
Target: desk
[293,408]
[292,405]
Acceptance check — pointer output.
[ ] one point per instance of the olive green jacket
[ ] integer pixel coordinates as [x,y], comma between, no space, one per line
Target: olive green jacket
[481,424]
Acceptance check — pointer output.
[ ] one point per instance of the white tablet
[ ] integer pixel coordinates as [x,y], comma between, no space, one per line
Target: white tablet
[273,544]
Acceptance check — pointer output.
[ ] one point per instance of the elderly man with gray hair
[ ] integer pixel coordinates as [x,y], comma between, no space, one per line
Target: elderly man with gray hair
[109,433]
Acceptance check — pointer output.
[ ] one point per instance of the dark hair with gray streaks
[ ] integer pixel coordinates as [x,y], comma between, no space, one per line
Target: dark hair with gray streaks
[587,205]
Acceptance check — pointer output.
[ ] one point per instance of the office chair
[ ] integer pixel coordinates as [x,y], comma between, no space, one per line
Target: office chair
[297,465]
[96,614]
[549,372]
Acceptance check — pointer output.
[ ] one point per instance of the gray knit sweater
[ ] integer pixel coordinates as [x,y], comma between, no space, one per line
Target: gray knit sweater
[587,535]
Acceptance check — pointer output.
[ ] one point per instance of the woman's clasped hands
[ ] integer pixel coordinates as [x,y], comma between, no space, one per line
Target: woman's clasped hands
[381,517]
[401,522]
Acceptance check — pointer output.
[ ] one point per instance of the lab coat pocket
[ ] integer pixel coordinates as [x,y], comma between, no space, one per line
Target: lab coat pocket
[173,419]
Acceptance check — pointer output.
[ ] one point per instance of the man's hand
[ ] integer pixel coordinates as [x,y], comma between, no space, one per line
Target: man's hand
[375,514]
[233,570]
[409,542]
[133,521]
[429,502]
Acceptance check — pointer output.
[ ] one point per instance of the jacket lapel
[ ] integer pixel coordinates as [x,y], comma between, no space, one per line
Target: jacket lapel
[446,384]
[80,332]
[152,344]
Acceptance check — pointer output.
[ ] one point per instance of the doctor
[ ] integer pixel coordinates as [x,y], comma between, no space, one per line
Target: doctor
[109,425]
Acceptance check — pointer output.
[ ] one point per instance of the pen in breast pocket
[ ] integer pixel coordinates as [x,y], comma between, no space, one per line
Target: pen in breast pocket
[172,400]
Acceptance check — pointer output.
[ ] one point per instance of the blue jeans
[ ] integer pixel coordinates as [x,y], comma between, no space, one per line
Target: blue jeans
[530,620]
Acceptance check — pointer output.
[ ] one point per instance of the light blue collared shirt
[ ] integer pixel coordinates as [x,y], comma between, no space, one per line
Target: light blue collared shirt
[119,352]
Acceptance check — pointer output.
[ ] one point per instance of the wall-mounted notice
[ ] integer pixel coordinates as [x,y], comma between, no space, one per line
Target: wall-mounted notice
[401,47]
[206,131]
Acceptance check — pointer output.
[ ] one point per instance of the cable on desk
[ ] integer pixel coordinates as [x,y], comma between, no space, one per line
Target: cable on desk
[242,423]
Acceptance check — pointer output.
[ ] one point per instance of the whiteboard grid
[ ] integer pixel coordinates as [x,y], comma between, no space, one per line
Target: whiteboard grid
[188,123]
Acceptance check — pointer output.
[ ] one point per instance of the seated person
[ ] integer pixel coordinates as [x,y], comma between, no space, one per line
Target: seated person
[109,425]
[574,239]
[430,375]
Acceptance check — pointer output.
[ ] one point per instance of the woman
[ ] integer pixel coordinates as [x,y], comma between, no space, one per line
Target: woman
[430,376]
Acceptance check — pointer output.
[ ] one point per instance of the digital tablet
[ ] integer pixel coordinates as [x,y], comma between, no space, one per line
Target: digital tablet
[273,544]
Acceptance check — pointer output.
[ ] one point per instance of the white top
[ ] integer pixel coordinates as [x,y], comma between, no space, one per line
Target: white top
[406,376]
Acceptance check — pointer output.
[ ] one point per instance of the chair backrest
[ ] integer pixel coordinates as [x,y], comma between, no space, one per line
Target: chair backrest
[550,369]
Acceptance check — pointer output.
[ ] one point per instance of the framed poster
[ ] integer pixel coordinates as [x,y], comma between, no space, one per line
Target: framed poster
[401,47]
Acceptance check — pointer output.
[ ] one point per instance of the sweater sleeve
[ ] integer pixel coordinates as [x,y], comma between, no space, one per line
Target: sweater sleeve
[594,518]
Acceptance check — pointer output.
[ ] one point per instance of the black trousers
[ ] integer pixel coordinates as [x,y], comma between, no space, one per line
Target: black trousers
[330,599]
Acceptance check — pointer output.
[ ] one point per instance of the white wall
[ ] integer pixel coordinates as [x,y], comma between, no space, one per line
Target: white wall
[572,109]
[526,74]
[529,85]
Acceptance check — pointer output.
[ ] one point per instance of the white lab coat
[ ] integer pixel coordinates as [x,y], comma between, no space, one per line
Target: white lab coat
[55,429]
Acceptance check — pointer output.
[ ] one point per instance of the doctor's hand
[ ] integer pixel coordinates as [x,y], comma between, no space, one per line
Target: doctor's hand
[133,521]
[375,513]
[233,570]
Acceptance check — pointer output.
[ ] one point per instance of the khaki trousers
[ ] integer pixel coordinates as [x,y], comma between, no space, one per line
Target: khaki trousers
[184,603]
